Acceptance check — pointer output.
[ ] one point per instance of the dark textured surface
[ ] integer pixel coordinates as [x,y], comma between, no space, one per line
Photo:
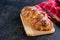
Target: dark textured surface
[11,27]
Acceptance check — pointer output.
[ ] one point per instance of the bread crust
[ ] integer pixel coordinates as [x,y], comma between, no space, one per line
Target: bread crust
[30,27]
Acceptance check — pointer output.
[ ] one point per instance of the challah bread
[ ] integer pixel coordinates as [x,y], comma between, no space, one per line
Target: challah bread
[36,22]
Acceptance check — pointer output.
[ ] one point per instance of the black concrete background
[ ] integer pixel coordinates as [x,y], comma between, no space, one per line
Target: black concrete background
[11,27]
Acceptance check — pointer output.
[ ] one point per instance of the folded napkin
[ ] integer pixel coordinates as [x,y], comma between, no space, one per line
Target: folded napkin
[53,6]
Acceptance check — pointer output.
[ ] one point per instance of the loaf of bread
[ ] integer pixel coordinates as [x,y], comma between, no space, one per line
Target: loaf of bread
[36,22]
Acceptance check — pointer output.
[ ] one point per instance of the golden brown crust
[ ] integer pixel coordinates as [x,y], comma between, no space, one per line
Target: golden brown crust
[37,19]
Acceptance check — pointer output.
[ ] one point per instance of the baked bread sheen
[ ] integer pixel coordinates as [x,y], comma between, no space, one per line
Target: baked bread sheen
[36,22]
[37,19]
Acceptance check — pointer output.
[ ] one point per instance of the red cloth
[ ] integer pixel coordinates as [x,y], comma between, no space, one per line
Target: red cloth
[51,6]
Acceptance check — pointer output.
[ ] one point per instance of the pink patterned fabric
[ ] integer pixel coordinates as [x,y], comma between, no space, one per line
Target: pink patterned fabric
[51,6]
